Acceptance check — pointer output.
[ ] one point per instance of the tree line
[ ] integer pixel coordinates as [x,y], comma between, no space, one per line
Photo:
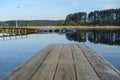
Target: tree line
[100,18]
[94,18]
[33,23]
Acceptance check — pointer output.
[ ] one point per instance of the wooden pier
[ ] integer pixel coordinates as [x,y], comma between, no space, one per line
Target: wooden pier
[65,62]
[17,31]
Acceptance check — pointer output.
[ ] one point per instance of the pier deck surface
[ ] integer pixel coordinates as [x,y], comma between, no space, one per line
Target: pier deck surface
[65,62]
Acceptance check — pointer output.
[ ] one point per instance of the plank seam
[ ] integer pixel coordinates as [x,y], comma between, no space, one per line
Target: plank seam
[17,69]
[41,63]
[89,62]
[74,63]
[100,57]
[57,63]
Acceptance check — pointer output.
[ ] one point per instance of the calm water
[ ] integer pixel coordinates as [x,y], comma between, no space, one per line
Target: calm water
[15,51]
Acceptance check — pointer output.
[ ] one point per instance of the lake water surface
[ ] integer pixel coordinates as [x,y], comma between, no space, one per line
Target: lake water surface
[14,51]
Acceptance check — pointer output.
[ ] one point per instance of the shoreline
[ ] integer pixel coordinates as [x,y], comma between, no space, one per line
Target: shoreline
[57,27]
[76,27]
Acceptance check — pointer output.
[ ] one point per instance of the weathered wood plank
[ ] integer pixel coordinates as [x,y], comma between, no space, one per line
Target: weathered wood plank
[84,71]
[47,69]
[66,62]
[103,69]
[65,69]
[26,71]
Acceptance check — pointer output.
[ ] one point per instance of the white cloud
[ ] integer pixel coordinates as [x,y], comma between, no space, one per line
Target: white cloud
[108,6]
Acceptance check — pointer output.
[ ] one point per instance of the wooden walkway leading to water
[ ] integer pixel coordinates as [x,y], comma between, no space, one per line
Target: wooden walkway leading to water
[65,62]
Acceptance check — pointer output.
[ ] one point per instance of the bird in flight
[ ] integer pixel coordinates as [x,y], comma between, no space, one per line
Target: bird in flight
[18,7]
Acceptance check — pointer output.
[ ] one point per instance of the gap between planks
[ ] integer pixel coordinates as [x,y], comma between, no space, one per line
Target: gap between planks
[65,62]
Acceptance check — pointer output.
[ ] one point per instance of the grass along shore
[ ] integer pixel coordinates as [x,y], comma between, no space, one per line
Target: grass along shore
[76,27]
[57,27]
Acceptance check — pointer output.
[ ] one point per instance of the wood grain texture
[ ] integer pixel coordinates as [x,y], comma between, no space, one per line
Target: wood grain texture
[83,68]
[47,69]
[65,69]
[65,62]
[27,70]
[103,69]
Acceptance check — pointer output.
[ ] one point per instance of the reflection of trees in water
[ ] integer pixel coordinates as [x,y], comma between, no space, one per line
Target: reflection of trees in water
[111,37]
[79,36]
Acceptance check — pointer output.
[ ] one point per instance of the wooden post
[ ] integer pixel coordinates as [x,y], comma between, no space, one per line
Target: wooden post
[9,33]
[16,24]
[25,31]
[12,31]
[19,31]
[3,32]
[15,30]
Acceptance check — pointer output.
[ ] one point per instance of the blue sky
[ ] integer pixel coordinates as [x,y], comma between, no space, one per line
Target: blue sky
[50,9]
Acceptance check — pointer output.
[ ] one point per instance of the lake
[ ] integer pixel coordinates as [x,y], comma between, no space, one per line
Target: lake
[15,50]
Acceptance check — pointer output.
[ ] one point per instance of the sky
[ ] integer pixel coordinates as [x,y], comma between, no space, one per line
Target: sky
[50,9]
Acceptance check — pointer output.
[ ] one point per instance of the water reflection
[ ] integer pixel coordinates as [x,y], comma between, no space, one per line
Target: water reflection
[109,37]
[16,37]
[15,52]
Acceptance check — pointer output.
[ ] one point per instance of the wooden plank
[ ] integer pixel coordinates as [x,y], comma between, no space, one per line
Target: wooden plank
[103,69]
[66,62]
[84,71]
[65,69]
[47,69]
[26,71]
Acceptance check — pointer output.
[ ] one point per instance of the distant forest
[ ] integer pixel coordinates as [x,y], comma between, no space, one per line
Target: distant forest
[109,17]
[97,18]
[33,23]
